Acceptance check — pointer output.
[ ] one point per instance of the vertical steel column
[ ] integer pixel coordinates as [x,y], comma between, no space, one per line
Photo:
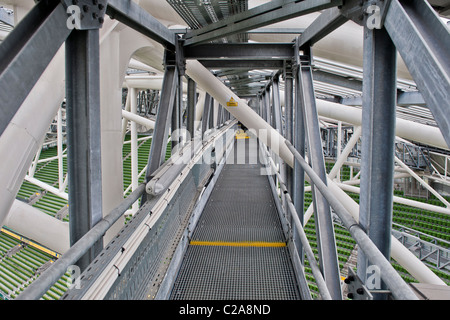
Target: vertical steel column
[83,137]
[326,242]
[378,135]
[191,102]
[289,116]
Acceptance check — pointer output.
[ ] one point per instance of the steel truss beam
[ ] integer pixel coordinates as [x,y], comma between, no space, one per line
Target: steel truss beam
[263,15]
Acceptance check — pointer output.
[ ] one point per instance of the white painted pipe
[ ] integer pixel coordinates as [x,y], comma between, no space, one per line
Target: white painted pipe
[134,118]
[421,181]
[35,162]
[406,129]
[39,226]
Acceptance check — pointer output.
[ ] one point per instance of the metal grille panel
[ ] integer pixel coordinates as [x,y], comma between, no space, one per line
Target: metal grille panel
[242,273]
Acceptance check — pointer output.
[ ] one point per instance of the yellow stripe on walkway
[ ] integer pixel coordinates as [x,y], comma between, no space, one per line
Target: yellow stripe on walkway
[238,244]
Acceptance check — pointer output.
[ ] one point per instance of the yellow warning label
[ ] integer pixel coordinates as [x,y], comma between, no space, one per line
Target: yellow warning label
[232,103]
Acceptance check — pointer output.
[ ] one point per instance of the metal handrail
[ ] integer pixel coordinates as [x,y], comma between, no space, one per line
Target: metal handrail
[400,290]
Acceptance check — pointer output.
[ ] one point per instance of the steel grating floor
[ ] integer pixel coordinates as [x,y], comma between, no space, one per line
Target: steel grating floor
[238,250]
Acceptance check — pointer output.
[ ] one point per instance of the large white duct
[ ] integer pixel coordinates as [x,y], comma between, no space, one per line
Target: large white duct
[272,138]
[149,124]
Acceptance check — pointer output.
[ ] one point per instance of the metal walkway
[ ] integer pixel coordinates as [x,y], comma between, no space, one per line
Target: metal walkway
[238,248]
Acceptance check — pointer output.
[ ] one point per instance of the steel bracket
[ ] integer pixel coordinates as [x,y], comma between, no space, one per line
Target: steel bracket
[356,288]
[85,14]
